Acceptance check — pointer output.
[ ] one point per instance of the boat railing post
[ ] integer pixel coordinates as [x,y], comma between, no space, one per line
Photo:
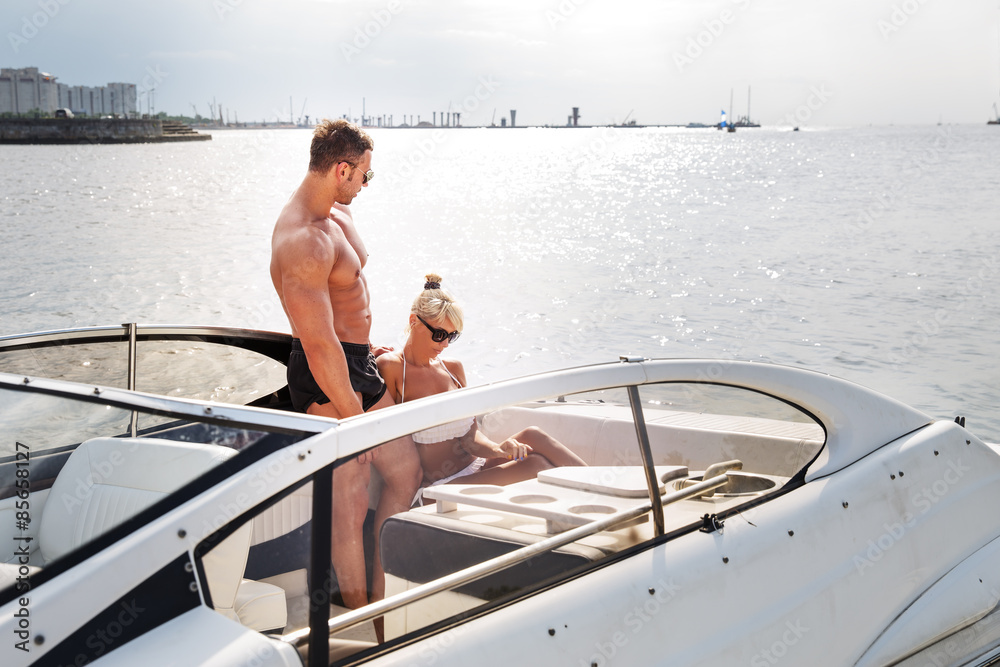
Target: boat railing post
[130,331]
[647,457]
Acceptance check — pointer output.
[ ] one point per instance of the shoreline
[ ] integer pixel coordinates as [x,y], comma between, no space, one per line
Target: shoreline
[95,131]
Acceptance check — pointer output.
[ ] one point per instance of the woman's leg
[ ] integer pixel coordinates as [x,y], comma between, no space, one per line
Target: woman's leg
[547,452]
[542,443]
[506,472]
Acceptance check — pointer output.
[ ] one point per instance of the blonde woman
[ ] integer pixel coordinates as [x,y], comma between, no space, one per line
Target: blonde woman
[458,451]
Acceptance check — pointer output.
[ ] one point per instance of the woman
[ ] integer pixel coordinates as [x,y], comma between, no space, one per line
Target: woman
[458,451]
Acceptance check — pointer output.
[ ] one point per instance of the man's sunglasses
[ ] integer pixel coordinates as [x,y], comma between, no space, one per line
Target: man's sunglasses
[439,335]
[367,176]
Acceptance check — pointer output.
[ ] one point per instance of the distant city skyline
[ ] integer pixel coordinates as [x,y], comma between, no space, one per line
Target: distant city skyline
[29,90]
[857,62]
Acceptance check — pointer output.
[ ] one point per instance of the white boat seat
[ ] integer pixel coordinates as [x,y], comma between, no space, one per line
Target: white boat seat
[261,606]
[106,481]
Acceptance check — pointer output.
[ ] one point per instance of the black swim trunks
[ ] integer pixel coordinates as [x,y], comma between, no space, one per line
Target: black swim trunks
[360,364]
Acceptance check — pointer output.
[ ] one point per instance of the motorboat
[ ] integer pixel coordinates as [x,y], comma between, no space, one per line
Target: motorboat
[161,505]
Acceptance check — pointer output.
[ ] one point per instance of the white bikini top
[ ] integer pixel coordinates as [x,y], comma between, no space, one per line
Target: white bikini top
[449,431]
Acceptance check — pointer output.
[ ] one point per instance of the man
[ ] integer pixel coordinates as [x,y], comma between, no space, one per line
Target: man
[317,259]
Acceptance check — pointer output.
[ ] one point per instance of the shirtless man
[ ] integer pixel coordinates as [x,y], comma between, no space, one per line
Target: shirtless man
[317,259]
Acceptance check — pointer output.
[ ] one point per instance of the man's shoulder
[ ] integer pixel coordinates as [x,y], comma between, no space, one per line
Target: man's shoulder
[341,211]
[305,245]
[295,227]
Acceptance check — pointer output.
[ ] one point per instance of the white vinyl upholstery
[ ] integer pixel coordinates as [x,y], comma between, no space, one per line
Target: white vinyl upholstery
[224,566]
[284,516]
[260,606]
[106,481]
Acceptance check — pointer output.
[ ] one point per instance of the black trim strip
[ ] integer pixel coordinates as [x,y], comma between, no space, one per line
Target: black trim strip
[319,574]
[165,595]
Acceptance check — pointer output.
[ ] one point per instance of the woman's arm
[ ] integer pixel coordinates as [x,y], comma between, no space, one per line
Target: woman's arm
[476,443]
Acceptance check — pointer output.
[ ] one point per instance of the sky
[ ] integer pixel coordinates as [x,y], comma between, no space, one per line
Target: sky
[845,63]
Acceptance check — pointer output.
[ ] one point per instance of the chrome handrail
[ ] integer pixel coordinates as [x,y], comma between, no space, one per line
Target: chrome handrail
[130,327]
[121,330]
[275,420]
[376,609]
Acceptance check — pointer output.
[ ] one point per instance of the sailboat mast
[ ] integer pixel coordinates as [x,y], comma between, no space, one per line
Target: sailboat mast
[748,105]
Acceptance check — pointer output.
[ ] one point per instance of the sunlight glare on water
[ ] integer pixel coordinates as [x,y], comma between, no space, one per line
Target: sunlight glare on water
[868,253]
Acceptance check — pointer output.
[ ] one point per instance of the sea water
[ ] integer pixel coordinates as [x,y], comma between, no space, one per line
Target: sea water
[867,253]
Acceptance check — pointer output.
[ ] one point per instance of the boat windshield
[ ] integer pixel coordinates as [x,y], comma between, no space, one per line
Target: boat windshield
[201,363]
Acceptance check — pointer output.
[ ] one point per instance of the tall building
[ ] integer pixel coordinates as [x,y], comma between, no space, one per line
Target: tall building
[124,99]
[26,90]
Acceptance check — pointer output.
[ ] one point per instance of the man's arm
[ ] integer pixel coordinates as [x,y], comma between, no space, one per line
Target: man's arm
[305,274]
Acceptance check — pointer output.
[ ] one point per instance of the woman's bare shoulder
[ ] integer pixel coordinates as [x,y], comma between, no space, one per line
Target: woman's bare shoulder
[456,368]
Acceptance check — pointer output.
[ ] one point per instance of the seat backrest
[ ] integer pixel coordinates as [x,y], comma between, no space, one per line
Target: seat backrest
[108,480]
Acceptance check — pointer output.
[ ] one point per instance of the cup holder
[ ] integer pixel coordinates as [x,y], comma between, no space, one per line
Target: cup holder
[481,490]
[739,484]
[532,499]
[591,509]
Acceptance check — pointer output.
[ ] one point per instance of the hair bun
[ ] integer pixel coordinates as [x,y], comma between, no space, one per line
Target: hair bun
[433,281]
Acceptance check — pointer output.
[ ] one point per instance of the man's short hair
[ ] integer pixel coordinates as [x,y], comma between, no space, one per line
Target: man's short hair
[336,141]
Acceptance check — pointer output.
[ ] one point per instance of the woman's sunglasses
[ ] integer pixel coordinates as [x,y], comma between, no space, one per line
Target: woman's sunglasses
[439,335]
